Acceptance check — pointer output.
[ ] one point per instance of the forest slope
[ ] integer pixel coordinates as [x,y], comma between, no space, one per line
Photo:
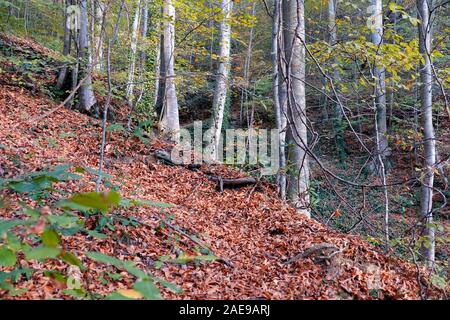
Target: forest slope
[250,229]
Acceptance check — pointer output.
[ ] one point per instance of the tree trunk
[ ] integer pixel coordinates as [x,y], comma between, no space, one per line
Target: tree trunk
[294,39]
[141,56]
[379,73]
[98,43]
[170,121]
[66,49]
[280,116]
[426,78]
[87,98]
[133,52]
[220,93]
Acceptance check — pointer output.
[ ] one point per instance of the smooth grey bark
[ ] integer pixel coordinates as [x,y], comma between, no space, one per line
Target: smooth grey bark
[294,40]
[141,56]
[221,89]
[426,97]
[280,116]
[133,53]
[87,98]
[379,74]
[170,120]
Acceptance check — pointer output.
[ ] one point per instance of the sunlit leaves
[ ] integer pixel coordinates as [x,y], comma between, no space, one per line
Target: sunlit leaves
[7,257]
[93,200]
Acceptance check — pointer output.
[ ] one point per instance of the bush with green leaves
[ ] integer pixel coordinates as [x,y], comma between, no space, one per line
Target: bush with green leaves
[35,233]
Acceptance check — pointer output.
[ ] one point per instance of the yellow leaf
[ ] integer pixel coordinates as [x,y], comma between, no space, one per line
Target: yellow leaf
[130,293]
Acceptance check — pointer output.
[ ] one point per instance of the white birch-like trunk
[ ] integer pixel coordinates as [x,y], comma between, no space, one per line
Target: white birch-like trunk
[294,39]
[221,89]
[87,98]
[280,117]
[426,79]
[379,73]
[133,54]
[170,120]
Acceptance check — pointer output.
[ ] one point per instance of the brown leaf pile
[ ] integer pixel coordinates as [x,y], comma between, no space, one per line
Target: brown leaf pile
[252,229]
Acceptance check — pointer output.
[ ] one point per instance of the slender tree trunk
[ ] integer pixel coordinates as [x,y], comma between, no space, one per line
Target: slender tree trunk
[87,98]
[141,62]
[426,78]
[280,117]
[220,93]
[158,77]
[170,121]
[98,43]
[294,39]
[133,52]
[379,73]
[66,49]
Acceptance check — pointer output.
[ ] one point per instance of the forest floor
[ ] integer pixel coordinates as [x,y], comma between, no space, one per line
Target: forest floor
[250,229]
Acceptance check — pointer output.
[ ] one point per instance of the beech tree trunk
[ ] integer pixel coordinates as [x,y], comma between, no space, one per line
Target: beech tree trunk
[87,98]
[294,39]
[66,49]
[221,89]
[379,73]
[170,120]
[426,95]
[280,115]
[133,53]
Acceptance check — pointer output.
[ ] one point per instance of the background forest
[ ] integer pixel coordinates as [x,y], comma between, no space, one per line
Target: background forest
[358,89]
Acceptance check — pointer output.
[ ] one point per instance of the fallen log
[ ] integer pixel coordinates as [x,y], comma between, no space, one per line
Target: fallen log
[232,183]
[321,251]
[222,183]
[167,158]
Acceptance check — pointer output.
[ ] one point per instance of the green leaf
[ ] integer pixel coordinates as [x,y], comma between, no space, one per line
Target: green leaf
[96,234]
[115,127]
[65,220]
[95,200]
[169,285]
[50,238]
[76,293]
[126,265]
[100,257]
[15,274]
[116,296]
[148,289]
[7,257]
[72,259]
[13,242]
[58,276]
[9,224]
[438,281]
[42,253]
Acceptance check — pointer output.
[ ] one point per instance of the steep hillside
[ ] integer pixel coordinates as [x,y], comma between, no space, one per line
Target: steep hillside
[249,229]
